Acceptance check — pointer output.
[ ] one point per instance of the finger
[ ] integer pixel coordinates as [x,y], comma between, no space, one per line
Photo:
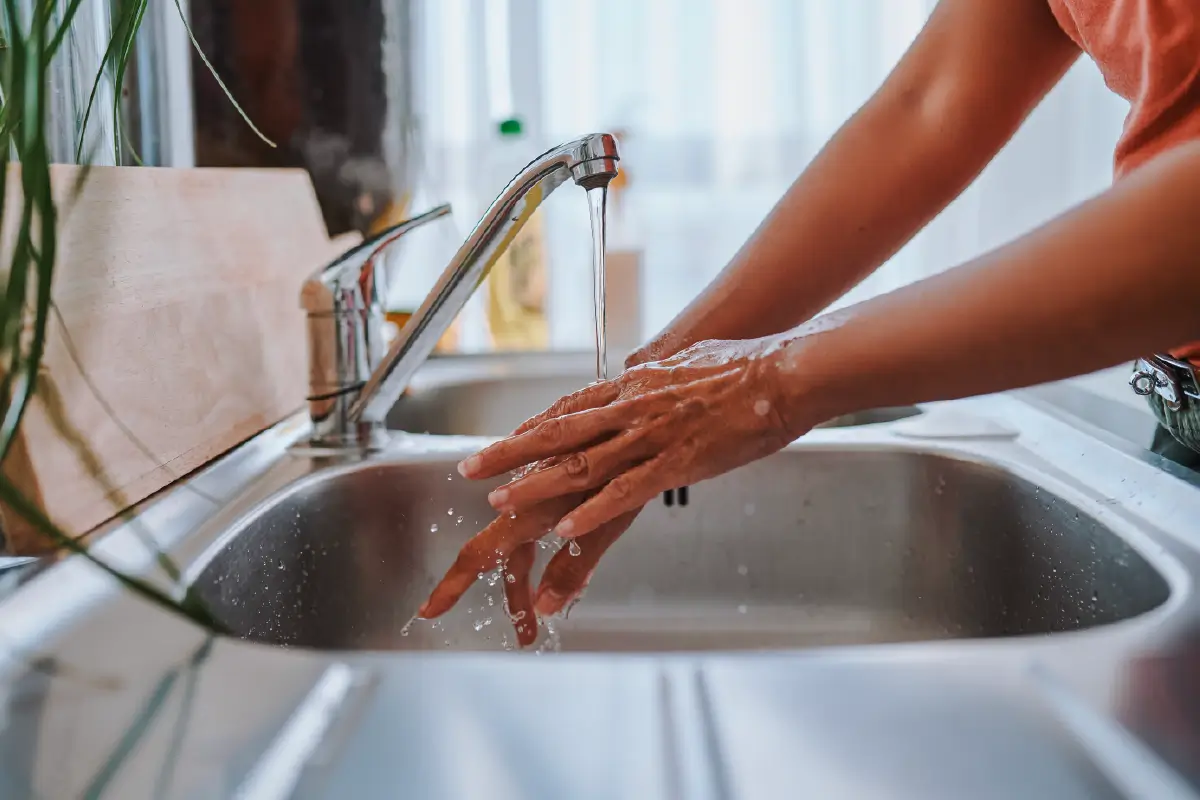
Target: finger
[575,473]
[624,493]
[519,594]
[552,437]
[589,397]
[567,575]
[490,547]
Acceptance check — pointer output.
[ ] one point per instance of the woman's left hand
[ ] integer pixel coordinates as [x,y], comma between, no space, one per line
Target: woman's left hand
[605,451]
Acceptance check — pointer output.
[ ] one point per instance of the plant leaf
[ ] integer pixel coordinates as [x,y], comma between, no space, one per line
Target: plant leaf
[213,72]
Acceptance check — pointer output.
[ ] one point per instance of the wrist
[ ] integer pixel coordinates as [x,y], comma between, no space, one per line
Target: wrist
[814,387]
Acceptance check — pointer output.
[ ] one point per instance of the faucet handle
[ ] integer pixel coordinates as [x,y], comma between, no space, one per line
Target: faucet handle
[344,304]
[350,281]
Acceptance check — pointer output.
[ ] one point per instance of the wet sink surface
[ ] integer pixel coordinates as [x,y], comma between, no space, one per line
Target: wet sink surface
[496,406]
[809,547]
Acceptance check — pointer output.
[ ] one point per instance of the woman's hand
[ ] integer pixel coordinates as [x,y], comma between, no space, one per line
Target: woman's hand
[605,451]
[702,412]
[510,542]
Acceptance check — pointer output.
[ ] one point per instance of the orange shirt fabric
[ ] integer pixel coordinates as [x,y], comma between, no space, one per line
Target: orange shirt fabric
[1149,53]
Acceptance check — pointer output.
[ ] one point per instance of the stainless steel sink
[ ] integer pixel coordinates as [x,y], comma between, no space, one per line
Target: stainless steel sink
[458,397]
[1043,582]
[816,545]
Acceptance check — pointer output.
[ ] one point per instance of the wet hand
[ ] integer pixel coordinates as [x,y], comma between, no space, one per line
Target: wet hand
[510,543]
[588,464]
[700,413]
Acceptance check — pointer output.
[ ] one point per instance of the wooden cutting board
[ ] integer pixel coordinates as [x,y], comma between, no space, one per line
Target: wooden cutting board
[179,326]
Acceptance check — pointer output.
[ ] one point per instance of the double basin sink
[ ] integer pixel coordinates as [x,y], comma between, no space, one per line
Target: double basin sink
[850,536]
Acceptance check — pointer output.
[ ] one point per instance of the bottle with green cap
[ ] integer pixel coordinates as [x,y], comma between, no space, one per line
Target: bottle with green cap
[517,283]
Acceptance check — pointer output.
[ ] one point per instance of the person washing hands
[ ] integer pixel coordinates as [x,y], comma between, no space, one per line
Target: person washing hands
[746,368]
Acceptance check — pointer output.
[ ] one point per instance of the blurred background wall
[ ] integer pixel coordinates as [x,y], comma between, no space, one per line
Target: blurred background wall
[393,105]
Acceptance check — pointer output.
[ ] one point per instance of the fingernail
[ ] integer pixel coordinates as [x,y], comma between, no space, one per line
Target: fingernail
[423,611]
[498,497]
[565,528]
[468,466]
[549,602]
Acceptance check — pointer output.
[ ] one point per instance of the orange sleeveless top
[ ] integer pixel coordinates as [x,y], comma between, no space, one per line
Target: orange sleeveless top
[1149,53]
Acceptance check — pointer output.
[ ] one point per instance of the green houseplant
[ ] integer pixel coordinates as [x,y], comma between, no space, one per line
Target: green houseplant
[33,34]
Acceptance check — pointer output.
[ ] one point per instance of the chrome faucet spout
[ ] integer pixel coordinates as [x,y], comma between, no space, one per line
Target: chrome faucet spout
[358,418]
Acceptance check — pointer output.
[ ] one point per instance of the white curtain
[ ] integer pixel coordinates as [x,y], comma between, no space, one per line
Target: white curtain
[724,102]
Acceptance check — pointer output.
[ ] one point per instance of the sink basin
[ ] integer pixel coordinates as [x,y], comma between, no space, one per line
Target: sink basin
[812,546]
[496,405]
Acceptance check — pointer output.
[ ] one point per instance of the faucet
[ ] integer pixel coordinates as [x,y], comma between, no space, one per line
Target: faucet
[353,383]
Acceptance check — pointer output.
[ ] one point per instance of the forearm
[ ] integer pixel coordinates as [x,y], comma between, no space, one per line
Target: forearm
[837,223]
[1116,278]
[960,92]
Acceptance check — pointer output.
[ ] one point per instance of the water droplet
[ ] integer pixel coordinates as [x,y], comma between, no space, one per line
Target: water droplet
[477,625]
[573,548]
[743,570]
[433,528]
[510,578]
[742,609]
[458,521]
[520,615]
[491,600]
[512,515]
[479,576]
[487,621]
[450,476]
[450,512]
[282,565]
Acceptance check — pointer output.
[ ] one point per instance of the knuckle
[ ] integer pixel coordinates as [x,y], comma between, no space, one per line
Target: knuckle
[619,488]
[551,432]
[578,466]
[563,405]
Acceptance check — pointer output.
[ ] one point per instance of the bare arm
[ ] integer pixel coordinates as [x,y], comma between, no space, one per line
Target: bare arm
[1116,278]
[971,77]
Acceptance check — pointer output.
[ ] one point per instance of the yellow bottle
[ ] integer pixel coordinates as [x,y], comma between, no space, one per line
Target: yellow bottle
[516,297]
[517,283]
